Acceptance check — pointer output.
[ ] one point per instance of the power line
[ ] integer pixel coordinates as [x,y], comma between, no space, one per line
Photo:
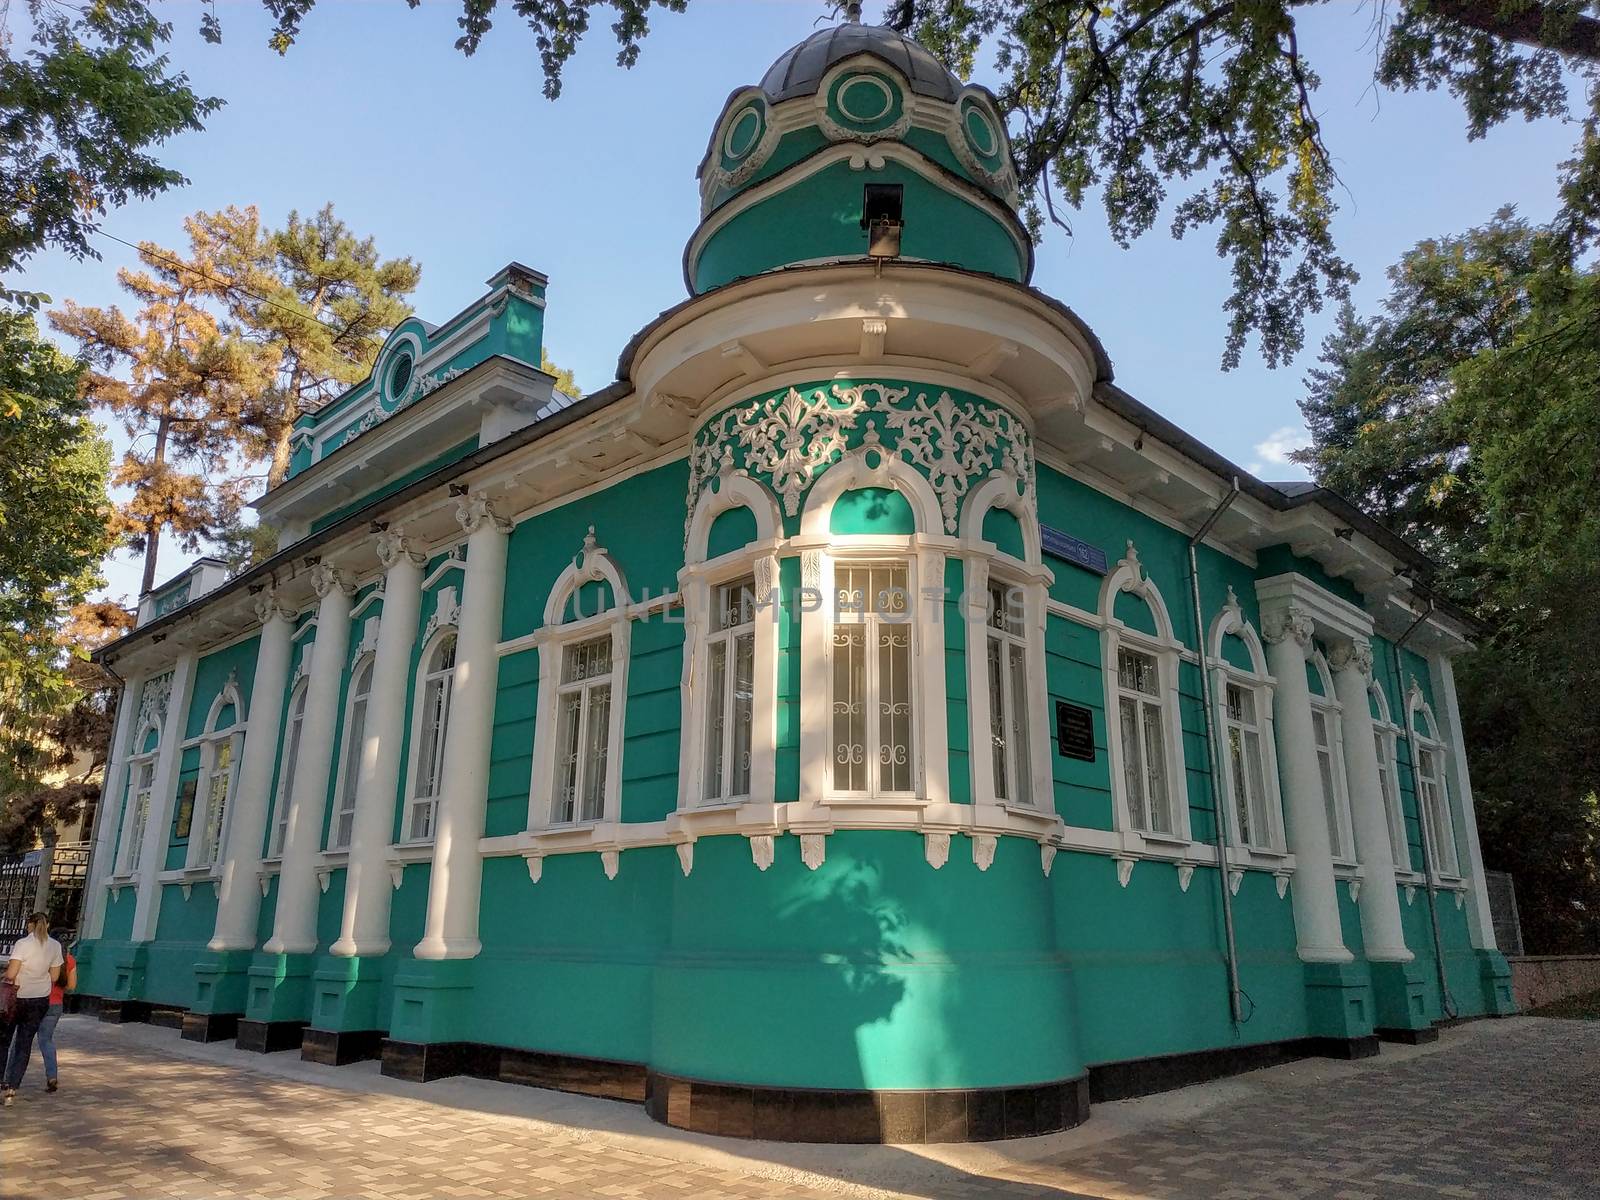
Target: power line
[223,283]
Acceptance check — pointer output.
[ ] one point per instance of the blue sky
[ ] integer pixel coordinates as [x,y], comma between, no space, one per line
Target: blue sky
[462,164]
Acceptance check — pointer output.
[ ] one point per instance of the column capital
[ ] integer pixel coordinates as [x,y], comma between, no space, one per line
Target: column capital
[1287,623]
[325,578]
[1353,655]
[472,511]
[393,545]
[268,606]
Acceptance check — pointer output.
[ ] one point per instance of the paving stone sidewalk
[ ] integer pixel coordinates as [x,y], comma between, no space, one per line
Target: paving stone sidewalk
[1505,1110]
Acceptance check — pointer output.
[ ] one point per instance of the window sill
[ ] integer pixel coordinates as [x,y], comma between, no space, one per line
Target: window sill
[410,852]
[335,858]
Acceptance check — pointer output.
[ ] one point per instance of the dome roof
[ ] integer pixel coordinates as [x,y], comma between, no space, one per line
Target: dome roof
[799,70]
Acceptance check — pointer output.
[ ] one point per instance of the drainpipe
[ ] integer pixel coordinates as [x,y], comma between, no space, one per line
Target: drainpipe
[1445,1002]
[1220,823]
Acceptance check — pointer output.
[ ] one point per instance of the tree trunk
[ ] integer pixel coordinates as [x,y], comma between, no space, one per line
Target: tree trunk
[152,537]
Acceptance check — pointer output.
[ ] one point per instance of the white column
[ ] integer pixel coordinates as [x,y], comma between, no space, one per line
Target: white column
[1381,931]
[365,927]
[1480,919]
[294,929]
[164,790]
[453,886]
[1287,633]
[109,812]
[238,897]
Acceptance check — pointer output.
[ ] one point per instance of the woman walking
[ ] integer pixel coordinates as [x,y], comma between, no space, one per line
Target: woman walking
[35,966]
[66,982]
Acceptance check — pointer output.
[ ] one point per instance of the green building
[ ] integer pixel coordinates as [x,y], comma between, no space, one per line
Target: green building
[860,721]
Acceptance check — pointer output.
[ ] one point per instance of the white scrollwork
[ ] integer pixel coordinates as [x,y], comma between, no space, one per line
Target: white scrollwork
[1356,654]
[1282,880]
[949,441]
[1124,870]
[535,868]
[393,545]
[1235,878]
[610,861]
[762,850]
[267,606]
[325,578]
[686,857]
[1185,876]
[1355,891]
[813,849]
[1287,623]
[1047,858]
[983,848]
[793,437]
[153,700]
[474,510]
[446,614]
[936,849]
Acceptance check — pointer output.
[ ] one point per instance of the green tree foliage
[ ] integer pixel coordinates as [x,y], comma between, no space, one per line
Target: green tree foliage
[181,385]
[53,534]
[80,109]
[319,296]
[1468,413]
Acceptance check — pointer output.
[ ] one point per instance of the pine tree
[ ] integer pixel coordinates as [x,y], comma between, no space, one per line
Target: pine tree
[187,386]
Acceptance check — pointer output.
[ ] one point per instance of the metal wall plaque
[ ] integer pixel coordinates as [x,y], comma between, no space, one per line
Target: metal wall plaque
[1073,550]
[1075,731]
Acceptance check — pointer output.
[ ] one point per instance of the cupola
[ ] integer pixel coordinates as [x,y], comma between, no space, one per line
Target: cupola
[857,144]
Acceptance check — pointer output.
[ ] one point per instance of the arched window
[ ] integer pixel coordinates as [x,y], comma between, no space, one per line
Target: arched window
[1432,798]
[1243,692]
[141,783]
[355,730]
[583,660]
[219,761]
[1007,695]
[1327,729]
[872,707]
[286,768]
[428,737]
[1384,732]
[732,611]
[1141,657]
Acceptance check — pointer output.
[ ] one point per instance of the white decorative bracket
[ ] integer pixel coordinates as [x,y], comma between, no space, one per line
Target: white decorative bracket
[1411,894]
[1047,858]
[324,878]
[1124,869]
[1461,900]
[535,867]
[936,849]
[813,849]
[686,857]
[1282,880]
[1235,878]
[265,881]
[1355,891]
[188,889]
[983,848]
[761,850]
[1185,876]
[610,860]
[216,889]
[397,872]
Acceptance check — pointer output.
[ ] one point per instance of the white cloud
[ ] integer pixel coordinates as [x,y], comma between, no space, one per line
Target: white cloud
[1276,447]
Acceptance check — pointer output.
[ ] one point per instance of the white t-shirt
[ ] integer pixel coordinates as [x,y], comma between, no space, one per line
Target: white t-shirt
[37,958]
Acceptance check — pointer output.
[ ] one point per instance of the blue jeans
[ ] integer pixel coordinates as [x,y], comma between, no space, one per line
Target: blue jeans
[30,1013]
[47,1039]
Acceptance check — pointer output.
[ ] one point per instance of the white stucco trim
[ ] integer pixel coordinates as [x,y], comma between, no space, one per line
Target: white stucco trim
[1260,683]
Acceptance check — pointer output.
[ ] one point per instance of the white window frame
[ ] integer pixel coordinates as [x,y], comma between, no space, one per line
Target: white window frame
[1332,713]
[348,779]
[1387,735]
[1167,650]
[923,553]
[1439,865]
[203,852]
[1258,681]
[593,564]
[138,816]
[698,583]
[427,673]
[986,562]
[288,763]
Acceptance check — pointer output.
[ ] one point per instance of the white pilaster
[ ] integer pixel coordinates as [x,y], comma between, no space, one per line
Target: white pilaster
[109,812]
[294,929]
[1480,919]
[1381,931]
[238,898]
[365,926]
[164,791]
[453,885]
[1287,633]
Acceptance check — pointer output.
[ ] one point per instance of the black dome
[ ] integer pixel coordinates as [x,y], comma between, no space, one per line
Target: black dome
[799,70]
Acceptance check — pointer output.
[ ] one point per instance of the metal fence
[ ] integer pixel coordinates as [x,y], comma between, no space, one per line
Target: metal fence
[19,890]
[1503,905]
